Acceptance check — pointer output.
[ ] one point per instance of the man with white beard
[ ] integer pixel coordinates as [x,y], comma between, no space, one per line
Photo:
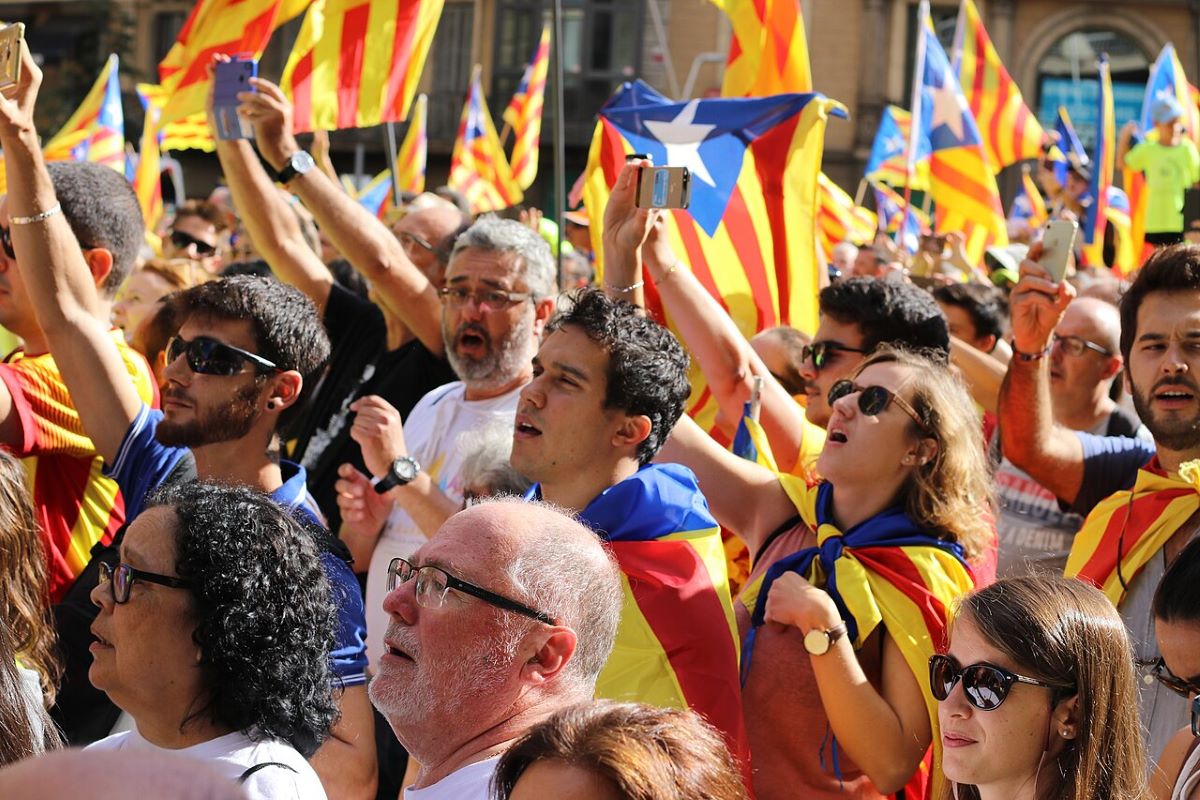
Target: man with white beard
[498,295]
[502,619]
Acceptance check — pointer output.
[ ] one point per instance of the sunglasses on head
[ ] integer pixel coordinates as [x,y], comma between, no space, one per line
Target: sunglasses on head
[823,352]
[207,356]
[184,240]
[873,400]
[985,686]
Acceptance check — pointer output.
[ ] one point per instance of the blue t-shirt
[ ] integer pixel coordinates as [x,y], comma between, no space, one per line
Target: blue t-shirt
[1110,464]
[142,463]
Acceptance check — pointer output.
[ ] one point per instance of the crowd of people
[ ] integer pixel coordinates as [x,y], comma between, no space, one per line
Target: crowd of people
[309,505]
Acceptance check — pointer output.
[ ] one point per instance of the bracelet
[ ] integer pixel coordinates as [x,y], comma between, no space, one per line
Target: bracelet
[49,212]
[625,289]
[1030,356]
[666,275]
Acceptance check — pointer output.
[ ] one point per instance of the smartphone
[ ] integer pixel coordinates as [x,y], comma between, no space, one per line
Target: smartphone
[10,53]
[664,187]
[229,79]
[1058,242]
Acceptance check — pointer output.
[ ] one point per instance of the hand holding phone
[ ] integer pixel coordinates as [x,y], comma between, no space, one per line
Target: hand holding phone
[1058,243]
[230,78]
[10,53]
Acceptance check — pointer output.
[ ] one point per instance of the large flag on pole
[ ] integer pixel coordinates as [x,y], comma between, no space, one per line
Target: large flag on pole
[478,167]
[147,178]
[886,164]
[524,113]
[357,64]
[96,131]
[961,180]
[768,52]
[189,133]
[750,233]
[232,27]
[414,151]
[1095,216]
[1010,131]
[906,227]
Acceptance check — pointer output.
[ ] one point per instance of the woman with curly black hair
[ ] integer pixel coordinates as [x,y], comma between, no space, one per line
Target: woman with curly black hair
[214,633]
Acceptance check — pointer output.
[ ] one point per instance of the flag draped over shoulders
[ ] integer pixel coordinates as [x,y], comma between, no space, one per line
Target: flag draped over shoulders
[885,571]
[1125,530]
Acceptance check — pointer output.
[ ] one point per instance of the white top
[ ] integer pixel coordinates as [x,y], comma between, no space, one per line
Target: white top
[31,693]
[471,782]
[1189,776]
[234,753]
[432,432]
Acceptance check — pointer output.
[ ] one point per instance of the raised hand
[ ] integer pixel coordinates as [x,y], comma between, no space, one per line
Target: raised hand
[269,110]
[1036,304]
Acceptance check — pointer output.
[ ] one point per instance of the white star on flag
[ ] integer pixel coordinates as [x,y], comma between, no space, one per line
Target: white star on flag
[948,107]
[682,137]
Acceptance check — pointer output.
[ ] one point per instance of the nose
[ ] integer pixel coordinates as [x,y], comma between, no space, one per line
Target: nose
[1174,362]
[401,602]
[956,702]
[102,595]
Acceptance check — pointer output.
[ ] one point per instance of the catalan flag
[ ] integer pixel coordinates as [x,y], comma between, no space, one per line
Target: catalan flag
[96,131]
[524,113]
[905,227]
[478,167]
[750,234]
[1010,131]
[376,196]
[888,160]
[768,52]
[1069,150]
[1127,529]
[147,177]
[357,64]
[232,27]
[1095,217]
[677,642]
[839,219]
[1116,211]
[414,150]
[961,180]
[189,133]
[1028,206]
[885,571]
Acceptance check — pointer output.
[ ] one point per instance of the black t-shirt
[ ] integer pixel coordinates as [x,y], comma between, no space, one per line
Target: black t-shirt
[360,364]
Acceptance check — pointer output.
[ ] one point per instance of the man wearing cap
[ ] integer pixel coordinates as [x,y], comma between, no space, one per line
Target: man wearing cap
[1171,165]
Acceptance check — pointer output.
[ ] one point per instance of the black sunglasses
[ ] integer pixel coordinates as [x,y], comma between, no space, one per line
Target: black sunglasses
[1196,715]
[873,400]
[822,352]
[120,580]
[1180,686]
[433,583]
[6,244]
[184,240]
[984,685]
[207,356]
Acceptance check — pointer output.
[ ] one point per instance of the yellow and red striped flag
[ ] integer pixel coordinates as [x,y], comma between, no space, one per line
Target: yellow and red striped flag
[414,151]
[232,27]
[96,131]
[889,153]
[768,52]
[840,220]
[336,81]
[147,178]
[190,133]
[478,167]
[1010,131]
[1095,216]
[524,113]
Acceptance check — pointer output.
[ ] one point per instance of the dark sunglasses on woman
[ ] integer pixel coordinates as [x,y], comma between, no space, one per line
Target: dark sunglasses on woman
[206,356]
[985,686]
[874,400]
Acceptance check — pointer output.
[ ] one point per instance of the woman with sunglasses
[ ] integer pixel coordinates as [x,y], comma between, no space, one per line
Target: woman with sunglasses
[851,578]
[1037,696]
[214,634]
[1177,631]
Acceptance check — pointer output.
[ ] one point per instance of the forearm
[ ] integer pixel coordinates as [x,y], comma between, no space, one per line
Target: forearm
[622,270]
[1029,437]
[360,543]
[346,762]
[983,374]
[425,503]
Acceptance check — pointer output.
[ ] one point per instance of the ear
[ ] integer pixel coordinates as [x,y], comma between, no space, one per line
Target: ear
[551,657]
[633,430]
[988,343]
[285,390]
[1126,381]
[1064,719]
[921,453]
[100,262]
[1113,366]
[542,312]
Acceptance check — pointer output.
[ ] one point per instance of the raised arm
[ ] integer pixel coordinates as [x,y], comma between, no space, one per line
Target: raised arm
[354,231]
[983,373]
[1050,453]
[60,281]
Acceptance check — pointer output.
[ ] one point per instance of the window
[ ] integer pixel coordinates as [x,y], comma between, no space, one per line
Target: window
[451,68]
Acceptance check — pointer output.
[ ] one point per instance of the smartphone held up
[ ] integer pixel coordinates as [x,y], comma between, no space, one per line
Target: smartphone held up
[663,187]
[10,53]
[1058,242]
[230,78]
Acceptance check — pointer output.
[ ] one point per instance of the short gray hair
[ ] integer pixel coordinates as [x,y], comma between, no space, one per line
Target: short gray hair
[497,235]
[486,453]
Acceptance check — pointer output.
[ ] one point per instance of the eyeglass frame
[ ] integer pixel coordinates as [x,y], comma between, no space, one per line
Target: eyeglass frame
[903,404]
[822,349]
[458,297]
[1084,345]
[419,241]
[499,601]
[207,251]
[261,364]
[108,574]
[1159,670]
[1008,677]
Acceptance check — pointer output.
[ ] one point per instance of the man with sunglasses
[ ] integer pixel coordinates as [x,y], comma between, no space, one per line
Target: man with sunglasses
[504,617]
[196,234]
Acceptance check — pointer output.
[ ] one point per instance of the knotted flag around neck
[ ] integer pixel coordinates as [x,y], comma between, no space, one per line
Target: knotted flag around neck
[887,571]
[1124,531]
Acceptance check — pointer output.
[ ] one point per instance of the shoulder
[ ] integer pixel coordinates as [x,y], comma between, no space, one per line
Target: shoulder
[117,741]
[450,392]
[274,769]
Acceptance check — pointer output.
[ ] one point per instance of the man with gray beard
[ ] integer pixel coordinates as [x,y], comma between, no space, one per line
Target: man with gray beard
[498,295]
[502,619]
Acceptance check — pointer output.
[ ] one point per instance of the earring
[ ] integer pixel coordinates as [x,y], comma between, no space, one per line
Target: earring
[1066,733]
[272,404]
[906,460]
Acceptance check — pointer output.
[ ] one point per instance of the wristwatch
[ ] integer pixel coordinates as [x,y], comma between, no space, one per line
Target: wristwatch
[403,470]
[300,163]
[818,642]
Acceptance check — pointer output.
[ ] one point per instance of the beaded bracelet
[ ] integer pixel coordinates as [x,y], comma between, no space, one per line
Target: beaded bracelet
[49,212]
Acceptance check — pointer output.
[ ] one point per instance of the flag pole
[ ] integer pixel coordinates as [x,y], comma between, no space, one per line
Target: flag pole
[560,184]
[861,191]
[390,132]
[915,129]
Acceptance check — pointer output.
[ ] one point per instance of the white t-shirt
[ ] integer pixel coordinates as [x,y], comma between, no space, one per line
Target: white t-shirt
[233,754]
[432,431]
[471,782]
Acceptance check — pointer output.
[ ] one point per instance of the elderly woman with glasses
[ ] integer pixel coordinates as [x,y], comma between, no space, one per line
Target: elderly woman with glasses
[1177,631]
[1036,696]
[214,634]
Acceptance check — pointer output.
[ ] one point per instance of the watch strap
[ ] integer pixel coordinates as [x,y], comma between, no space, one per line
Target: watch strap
[289,171]
[393,478]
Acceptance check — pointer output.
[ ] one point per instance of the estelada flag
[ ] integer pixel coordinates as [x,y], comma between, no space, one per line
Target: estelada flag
[1028,206]
[478,167]
[376,196]
[232,27]
[887,162]
[357,64]
[96,131]
[839,220]
[524,113]
[750,234]
[414,151]
[1095,216]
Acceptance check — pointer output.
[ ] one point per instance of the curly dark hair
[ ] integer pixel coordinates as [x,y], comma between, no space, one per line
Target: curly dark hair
[265,617]
[287,327]
[102,210]
[985,305]
[647,367]
[1170,269]
[888,311]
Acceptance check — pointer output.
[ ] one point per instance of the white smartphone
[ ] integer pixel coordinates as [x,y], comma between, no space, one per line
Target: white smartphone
[1058,242]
